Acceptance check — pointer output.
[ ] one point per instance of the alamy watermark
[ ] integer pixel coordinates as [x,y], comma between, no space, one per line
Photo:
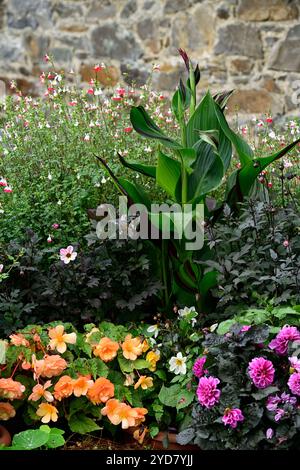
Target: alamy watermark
[157,222]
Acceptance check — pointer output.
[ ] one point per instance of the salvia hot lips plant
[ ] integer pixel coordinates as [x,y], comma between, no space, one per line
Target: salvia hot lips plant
[188,170]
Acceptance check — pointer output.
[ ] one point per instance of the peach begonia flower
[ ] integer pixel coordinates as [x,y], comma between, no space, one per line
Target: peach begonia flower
[101,391]
[132,348]
[50,366]
[119,413]
[19,340]
[144,382]
[106,349]
[141,412]
[11,389]
[152,357]
[63,388]
[60,339]
[82,385]
[7,411]
[140,434]
[40,391]
[47,412]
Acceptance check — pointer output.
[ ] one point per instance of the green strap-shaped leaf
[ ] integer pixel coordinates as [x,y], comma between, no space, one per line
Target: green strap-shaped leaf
[248,174]
[205,119]
[147,170]
[243,150]
[135,192]
[145,126]
[188,156]
[207,175]
[168,175]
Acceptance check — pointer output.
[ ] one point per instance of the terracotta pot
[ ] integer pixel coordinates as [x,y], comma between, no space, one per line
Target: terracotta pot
[5,437]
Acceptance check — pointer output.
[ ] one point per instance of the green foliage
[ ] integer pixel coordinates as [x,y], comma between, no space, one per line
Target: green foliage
[44,437]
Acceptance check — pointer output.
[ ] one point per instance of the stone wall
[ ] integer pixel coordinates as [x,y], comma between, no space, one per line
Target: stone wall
[250,45]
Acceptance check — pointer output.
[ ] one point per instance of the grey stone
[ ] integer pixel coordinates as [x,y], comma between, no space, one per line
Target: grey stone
[68,10]
[294,32]
[148,4]
[101,10]
[29,13]
[36,45]
[2,13]
[114,41]
[194,33]
[223,12]
[10,49]
[145,29]
[61,54]
[239,39]
[129,9]
[286,56]
[173,6]
[134,75]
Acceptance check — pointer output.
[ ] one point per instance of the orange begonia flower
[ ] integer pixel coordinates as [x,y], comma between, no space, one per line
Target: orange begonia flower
[82,385]
[47,412]
[40,391]
[132,348]
[50,366]
[11,389]
[101,391]
[106,349]
[19,340]
[141,412]
[7,411]
[144,382]
[120,413]
[63,388]
[60,339]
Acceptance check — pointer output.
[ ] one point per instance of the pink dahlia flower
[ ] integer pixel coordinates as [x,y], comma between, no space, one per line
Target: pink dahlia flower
[207,391]
[198,367]
[294,383]
[261,372]
[67,254]
[281,342]
[232,417]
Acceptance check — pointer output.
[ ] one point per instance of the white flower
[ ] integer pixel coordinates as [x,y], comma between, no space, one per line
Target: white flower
[272,135]
[103,180]
[1,268]
[178,364]
[184,312]
[153,329]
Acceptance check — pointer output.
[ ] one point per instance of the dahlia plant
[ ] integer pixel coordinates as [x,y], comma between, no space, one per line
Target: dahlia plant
[248,390]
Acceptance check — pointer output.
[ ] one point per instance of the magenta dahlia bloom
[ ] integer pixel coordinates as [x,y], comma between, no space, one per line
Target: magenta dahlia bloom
[198,367]
[207,391]
[294,383]
[281,342]
[232,417]
[261,372]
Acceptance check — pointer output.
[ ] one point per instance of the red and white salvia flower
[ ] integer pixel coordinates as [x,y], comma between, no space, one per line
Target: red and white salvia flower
[3,182]
[49,239]
[128,130]
[90,91]
[286,243]
[46,58]
[7,189]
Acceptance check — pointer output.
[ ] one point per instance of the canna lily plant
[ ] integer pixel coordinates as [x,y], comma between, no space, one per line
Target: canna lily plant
[188,170]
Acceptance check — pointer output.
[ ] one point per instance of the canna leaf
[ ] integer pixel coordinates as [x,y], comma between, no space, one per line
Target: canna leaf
[145,126]
[168,175]
[147,170]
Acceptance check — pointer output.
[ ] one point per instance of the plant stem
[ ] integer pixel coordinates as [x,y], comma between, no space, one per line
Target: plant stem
[193,90]
[164,252]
